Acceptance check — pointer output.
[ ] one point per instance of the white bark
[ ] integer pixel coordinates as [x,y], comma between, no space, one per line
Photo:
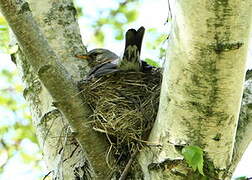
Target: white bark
[202,81]
[57,21]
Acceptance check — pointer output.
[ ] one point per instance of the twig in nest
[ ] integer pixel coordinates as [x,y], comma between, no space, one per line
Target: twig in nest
[127,167]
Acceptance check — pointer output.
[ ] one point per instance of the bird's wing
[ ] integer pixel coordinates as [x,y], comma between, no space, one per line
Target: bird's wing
[102,69]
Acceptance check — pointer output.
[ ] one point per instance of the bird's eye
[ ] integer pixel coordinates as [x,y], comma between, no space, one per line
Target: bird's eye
[95,53]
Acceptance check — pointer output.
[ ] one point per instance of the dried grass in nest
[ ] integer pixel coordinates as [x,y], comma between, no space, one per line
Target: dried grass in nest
[124,106]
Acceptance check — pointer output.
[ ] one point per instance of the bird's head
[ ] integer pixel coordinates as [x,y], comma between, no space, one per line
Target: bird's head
[99,56]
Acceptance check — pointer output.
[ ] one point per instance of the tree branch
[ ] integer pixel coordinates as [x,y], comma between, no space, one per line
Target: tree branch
[243,134]
[57,81]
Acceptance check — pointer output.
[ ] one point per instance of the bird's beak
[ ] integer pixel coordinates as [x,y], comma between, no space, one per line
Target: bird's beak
[86,57]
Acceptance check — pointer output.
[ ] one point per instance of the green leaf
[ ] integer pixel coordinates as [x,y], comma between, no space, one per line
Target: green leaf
[18,88]
[2,21]
[99,37]
[7,74]
[4,34]
[9,103]
[160,39]
[194,157]
[27,158]
[102,21]
[241,178]
[24,131]
[131,15]
[3,130]
[3,28]
[151,62]
[119,35]
[152,30]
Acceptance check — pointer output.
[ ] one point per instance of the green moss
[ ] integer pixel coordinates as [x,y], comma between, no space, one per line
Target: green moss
[219,25]
[221,47]
[24,8]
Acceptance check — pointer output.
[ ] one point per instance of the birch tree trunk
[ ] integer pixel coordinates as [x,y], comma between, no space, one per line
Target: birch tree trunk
[200,97]
[202,88]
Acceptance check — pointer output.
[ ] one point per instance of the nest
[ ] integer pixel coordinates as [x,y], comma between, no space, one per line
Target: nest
[124,106]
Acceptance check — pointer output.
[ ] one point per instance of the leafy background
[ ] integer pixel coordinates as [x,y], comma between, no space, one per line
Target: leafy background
[102,25]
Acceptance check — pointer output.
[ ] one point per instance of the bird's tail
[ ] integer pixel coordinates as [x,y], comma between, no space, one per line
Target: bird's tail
[131,56]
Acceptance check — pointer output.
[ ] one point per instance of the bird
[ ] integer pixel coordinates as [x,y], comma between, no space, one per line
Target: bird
[104,61]
[131,56]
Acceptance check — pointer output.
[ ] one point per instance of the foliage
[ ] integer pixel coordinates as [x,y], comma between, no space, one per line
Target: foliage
[152,62]
[4,35]
[242,178]
[157,43]
[15,125]
[116,18]
[194,157]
